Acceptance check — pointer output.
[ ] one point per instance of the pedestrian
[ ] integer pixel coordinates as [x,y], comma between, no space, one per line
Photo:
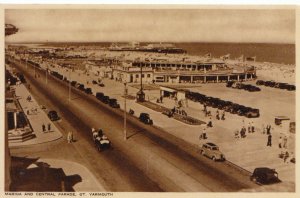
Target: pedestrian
[210,123]
[285,142]
[269,143]
[69,137]
[286,156]
[44,127]
[243,132]
[252,127]
[27,112]
[268,129]
[203,134]
[223,115]
[280,142]
[236,134]
[263,130]
[249,127]
[218,115]
[49,127]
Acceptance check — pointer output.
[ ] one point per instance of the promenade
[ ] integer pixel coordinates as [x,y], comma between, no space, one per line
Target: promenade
[255,154]
[36,117]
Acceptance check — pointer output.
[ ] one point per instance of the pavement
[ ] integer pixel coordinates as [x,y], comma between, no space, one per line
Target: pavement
[36,118]
[223,131]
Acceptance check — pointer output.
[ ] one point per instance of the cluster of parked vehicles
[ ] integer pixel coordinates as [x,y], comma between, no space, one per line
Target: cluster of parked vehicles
[238,85]
[57,75]
[220,104]
[278,85]
[112,102]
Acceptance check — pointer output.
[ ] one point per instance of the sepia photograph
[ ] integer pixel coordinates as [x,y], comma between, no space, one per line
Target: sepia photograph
[149,99]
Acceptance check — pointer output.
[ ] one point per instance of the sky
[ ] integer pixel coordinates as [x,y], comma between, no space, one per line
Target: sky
[152,25]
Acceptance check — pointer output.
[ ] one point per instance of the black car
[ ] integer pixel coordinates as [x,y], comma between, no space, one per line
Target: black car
[252,113]
[260,82]
[73,83]
[53,115]
[145,118]
[88,91]
[81,87]
[113,103]
[229,83]
[264,175]
[99,95]
[105,99]
[291,88]
[94,82]
[101,84]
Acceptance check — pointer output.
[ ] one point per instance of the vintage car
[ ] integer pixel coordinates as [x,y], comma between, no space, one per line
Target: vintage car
[105,99]
[252,113]
[113,103]
[53,116]
[145,118]
[99,95]
[101,141]
[212,151]
[73,83]
[88,91]
[260,82]
[264,175]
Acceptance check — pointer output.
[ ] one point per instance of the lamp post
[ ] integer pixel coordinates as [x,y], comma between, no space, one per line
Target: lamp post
[47,75]
[125,120]
[69,83]
[140,94]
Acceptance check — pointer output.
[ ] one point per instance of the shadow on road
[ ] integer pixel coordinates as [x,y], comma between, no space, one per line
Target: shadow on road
[41,177]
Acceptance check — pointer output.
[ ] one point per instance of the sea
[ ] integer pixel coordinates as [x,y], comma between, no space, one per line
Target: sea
[264,52]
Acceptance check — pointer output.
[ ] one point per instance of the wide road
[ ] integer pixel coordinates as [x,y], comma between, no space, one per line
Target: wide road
[149,160]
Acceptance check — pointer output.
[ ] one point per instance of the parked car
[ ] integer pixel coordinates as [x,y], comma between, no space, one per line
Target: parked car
[105,99]
[99,95]
[101,84]
[264,175]
[88,91]
[81,87]
[252,113]
[73,83]
[260,82]
[229,83]
[113,103]
[94,82]
[212,151]
[145,118]
[53,115]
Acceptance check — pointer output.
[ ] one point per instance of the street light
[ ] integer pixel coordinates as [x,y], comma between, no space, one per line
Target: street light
[125,120]
[69,83]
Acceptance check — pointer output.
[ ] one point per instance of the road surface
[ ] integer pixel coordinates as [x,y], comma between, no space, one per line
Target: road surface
[150,160]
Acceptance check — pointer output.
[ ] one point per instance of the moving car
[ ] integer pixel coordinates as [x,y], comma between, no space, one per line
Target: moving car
[101,141]
[145,118]
[212,151]
[53,115]
[264,175]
